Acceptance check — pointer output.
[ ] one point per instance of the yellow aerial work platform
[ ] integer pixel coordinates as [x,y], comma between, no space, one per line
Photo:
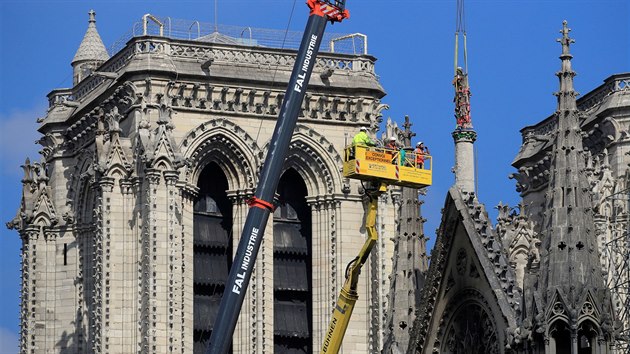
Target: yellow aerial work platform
[387,166]
[382,166]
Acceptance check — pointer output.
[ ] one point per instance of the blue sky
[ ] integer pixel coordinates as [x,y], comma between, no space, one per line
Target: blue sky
[512,52]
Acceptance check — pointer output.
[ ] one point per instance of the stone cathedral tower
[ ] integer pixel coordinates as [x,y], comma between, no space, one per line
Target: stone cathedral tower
[410,261]
[129,220]
[567,307]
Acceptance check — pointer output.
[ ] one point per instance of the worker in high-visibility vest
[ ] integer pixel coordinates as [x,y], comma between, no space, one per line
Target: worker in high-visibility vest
[362,139]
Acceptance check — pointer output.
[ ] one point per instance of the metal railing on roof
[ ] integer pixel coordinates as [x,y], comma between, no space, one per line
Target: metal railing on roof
[242,35]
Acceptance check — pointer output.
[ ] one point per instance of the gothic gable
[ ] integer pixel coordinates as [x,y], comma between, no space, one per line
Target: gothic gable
[36,207]
[157,148]
[469,273]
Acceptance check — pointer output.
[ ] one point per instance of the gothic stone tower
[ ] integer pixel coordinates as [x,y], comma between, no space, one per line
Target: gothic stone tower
[604,120]
[129,221]
[410,261]
[567,305]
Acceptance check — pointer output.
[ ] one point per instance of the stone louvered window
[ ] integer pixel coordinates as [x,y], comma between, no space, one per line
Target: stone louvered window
[292,264]
[212,251]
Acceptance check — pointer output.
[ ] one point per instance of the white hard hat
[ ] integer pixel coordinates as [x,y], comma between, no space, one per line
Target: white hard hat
[419,143]
[392,138]
[363,128]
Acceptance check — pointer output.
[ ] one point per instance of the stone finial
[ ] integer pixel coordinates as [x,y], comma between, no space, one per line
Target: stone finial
[92,15]
[566,95]
[407,134]
[565,40]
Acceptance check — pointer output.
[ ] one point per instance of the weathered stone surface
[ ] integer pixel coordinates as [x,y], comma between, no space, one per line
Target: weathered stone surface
[107,217]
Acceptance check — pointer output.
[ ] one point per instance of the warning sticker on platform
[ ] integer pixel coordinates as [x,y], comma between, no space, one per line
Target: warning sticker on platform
[375,167]
[378,157]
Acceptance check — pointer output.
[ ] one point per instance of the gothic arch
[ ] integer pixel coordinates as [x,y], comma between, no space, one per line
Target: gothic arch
[80,192]
[559,333]
[588,333]
[469,323]
[315,159]
[225,143]
[556,323]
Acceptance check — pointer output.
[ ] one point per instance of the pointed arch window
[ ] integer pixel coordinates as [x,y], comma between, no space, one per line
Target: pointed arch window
[588,333]
[561,337]
[292,251]
[212,251]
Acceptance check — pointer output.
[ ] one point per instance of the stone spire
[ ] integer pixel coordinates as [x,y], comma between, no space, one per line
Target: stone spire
[566,95]
[409,264]
[570,282]
[464,134]
[91,52]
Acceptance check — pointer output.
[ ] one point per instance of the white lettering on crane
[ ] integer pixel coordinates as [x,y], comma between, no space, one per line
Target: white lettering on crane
[240,277]
[307,60]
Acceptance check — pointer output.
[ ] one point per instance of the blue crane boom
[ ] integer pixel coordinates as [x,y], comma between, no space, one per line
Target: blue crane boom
[261,205]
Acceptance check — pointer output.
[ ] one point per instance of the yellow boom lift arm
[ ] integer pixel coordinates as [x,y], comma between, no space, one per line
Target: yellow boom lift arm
[375,166]
[348,295]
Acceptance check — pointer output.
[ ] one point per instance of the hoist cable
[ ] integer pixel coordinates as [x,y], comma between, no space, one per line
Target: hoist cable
[460,29]
[273,80]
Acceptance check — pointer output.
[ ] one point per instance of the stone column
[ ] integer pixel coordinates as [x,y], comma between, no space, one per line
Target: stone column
[149,319]
[127,277]
[247,337]
[49,282]
[465,159]
[187,194]
[351,240]
[106,185]
[100,279]
[118,266]
[173,282]
[28,292]
[323,282]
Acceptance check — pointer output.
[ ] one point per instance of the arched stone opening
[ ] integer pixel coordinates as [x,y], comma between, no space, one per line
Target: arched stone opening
[587,336]
[519,259]
[471,330]
[292,250]
[85,203]
[316,160]
[560,334]
[228,145]
[212,249]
